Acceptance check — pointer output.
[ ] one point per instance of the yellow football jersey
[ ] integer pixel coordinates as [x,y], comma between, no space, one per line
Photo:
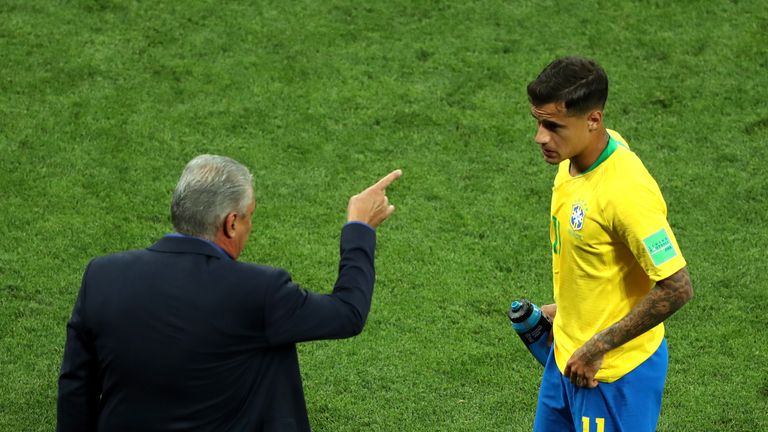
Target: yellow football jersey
[610,243]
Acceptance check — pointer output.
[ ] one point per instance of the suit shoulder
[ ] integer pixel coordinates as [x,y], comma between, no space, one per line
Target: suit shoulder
[118,257]
[260,269]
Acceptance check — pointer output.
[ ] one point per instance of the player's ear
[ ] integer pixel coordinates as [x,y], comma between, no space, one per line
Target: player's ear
[595,120]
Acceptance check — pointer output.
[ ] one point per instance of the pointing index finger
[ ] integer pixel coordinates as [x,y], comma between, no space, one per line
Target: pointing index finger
[388,179]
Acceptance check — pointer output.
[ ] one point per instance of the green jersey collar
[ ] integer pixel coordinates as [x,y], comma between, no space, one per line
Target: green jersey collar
[607,152]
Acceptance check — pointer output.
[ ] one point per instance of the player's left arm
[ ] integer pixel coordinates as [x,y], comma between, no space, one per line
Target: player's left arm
[669,295]
[637,215]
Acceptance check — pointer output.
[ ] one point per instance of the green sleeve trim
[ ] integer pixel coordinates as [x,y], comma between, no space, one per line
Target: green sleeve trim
[607,152]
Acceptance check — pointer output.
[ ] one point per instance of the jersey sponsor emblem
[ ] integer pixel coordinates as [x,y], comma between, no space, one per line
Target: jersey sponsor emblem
[577,216]
[660,247]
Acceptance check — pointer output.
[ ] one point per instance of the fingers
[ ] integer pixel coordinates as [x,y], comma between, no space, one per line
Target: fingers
[580,379]
[550,310]
[372,205]
[389,211]
[388,179]
[576,379]
[583,380]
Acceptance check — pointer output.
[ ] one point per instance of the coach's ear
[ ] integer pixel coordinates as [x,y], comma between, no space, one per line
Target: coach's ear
[229,224]
[595,120]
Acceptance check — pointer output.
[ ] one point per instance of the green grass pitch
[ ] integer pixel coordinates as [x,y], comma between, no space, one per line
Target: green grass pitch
[103,102]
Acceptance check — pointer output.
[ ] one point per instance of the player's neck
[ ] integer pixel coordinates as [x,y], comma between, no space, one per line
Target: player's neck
[584,160]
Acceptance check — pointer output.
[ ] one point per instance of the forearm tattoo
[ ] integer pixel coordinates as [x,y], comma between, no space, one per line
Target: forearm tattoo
[665,298]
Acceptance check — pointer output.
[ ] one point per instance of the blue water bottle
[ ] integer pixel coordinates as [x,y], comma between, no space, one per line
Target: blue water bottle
[532,326]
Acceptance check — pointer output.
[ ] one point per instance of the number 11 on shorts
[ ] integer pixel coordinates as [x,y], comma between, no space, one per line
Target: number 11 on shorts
[599,421]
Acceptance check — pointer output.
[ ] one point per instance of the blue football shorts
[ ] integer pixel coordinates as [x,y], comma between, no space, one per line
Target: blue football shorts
[630,404]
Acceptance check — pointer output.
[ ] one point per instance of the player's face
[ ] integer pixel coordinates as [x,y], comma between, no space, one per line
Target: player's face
[559,135]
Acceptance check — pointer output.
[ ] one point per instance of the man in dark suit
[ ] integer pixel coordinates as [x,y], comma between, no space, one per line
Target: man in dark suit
[183,337]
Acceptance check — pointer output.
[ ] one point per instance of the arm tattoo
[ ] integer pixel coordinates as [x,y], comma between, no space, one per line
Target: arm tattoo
[665,298]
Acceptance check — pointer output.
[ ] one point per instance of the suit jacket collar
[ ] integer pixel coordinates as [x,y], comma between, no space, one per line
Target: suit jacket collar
[186,244]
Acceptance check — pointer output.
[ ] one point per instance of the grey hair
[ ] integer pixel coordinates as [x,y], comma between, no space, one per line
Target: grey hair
[210,187]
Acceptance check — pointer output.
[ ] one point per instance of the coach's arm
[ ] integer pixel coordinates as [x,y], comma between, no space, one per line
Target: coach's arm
[295,315]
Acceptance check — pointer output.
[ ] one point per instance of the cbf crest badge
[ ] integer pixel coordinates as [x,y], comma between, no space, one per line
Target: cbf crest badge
[578,213]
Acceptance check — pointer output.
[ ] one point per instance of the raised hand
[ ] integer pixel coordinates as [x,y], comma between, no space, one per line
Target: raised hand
[372,206]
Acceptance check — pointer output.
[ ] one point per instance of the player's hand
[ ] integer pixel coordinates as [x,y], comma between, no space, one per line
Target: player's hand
[584,364]
[372,206]
[550,311]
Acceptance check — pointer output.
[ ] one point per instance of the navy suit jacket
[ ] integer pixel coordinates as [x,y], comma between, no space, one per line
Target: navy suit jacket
[179,337]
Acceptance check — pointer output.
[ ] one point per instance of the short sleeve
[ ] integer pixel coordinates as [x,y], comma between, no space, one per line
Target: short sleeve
[638,216]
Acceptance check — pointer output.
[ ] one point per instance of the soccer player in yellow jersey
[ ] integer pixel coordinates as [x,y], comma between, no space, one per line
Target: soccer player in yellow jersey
[617,270]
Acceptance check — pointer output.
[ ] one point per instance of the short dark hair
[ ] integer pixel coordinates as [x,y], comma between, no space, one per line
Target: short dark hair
[578,82]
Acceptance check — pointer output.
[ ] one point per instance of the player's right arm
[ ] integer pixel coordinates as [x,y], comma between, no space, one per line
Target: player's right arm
[550,310]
